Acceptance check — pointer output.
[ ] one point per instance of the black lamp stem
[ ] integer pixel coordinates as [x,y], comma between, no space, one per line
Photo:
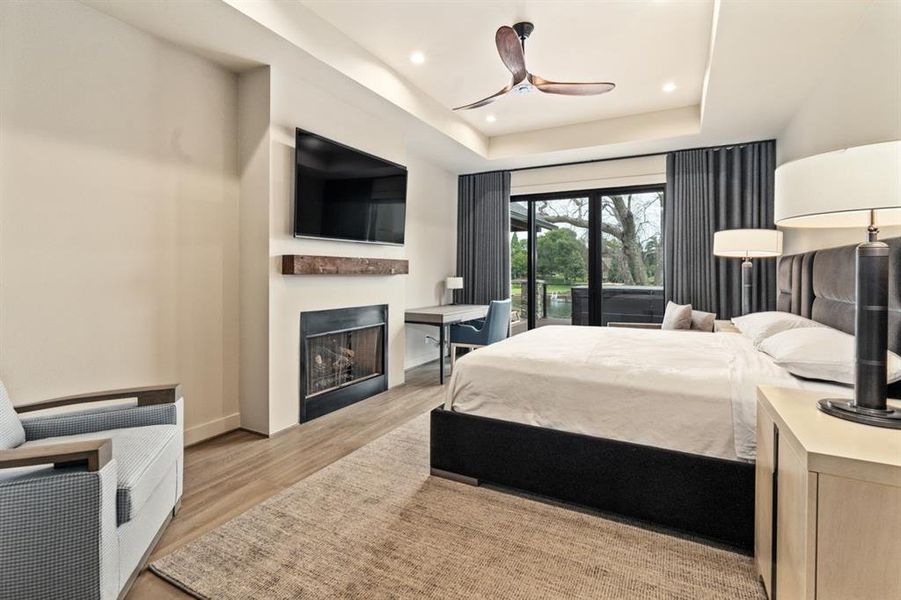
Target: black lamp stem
[871,336]
[870,383]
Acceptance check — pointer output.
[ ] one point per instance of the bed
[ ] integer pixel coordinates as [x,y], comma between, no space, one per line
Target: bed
[653,425]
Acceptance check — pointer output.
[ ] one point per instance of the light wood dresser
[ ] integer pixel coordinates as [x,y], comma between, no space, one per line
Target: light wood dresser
[828,506]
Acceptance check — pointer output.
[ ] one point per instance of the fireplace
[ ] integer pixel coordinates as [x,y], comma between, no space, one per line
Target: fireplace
[343,354]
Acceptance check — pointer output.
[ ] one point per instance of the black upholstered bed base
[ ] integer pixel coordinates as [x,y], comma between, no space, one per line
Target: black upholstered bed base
[703,496]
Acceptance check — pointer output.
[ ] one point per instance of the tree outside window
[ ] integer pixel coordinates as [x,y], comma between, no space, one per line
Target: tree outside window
[631,235]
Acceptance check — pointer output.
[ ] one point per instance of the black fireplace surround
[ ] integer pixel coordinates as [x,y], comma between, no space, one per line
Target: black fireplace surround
[343,358]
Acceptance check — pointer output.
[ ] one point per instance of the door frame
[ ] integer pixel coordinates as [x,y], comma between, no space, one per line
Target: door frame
[595,249]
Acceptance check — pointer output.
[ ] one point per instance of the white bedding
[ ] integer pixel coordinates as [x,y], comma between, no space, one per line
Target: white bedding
[686,391]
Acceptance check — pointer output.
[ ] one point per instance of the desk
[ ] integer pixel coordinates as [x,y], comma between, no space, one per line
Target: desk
[441,317]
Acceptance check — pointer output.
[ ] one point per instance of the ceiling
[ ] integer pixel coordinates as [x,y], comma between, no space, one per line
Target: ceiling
[616,41]
[742,68]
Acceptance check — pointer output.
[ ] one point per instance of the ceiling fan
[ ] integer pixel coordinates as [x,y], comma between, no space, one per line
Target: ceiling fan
[511,45]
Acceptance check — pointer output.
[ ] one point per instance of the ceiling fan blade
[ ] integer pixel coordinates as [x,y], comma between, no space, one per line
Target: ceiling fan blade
[487,100]
[510,50]
[571,89]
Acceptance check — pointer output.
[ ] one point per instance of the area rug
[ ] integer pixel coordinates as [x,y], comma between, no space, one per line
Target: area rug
[376,525]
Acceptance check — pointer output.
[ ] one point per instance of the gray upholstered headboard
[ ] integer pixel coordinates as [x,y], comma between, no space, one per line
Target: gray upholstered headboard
[819,285]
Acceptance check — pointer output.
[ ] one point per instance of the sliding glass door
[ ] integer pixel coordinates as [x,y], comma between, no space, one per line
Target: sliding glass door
[586,258]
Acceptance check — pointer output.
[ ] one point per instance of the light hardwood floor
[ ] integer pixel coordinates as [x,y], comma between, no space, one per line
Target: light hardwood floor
[229,474]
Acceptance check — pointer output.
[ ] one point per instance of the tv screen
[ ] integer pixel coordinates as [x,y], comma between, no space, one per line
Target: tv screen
[344,194]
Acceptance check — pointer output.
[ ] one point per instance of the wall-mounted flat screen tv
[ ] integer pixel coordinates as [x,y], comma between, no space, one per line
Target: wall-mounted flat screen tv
[344,194]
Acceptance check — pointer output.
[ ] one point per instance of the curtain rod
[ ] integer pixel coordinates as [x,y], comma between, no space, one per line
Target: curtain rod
[599,160]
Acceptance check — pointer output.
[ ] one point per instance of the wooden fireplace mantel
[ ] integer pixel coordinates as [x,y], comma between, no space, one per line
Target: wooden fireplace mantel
[305,264]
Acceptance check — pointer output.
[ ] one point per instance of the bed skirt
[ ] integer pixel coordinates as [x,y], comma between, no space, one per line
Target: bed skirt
[702,496]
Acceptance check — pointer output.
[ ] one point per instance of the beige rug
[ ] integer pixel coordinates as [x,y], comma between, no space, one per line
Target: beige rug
[376,525]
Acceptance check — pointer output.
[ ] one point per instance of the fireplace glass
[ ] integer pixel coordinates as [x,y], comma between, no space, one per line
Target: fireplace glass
[340,358]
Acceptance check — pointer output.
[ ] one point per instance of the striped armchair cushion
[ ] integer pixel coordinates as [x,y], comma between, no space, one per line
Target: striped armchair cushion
[11,432]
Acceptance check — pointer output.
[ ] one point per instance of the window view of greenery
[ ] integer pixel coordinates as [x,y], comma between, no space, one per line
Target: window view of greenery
[519,243]
[632,253]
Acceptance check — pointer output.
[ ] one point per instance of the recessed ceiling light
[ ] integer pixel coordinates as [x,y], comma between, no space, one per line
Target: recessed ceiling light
[669,87]
[491,118]
[417,58]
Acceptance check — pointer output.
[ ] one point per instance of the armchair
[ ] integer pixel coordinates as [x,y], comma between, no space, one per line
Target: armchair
[483,332]
[86,491]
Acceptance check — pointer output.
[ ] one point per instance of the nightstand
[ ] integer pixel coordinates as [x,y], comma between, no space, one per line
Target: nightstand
[828,504]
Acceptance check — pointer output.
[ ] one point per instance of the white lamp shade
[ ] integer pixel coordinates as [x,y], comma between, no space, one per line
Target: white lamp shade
[839,189]
[453,283]
[751,243]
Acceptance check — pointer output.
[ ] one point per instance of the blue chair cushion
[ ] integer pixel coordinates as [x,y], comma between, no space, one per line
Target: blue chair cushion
[143,455]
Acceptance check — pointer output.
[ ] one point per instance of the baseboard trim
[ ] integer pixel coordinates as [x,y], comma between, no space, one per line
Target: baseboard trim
[422,360]
[205,431]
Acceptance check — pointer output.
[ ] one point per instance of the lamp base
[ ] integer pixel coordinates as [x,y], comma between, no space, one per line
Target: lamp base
[848,410]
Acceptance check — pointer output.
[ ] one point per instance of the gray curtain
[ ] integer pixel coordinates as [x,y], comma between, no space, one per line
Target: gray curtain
[708,190]
[483,232]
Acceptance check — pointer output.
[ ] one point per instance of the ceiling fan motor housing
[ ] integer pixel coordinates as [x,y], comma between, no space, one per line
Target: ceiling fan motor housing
[523,30]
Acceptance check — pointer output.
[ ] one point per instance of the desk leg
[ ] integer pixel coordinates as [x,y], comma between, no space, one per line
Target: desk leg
[441,330]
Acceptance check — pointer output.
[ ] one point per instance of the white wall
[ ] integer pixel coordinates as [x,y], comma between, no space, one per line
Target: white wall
[858,102]
[253,167]
[126,167]
[645,170]
[270,394]
[431,246]
[118,213]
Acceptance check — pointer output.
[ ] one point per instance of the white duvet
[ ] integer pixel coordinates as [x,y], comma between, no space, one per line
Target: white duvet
[686,391]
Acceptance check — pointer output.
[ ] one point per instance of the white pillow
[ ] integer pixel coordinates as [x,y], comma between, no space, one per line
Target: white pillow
[759,326]
[676,316]
[820,353]
[702,321]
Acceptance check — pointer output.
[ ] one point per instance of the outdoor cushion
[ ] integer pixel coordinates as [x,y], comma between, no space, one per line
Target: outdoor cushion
[11,432]
[143,456]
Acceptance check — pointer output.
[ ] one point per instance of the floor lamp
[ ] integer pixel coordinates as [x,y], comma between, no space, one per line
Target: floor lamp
[857,187]
[747,244]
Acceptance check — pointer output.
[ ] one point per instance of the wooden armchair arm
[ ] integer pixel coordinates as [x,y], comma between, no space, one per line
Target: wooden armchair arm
[155,394]
[634,325]
[94,453]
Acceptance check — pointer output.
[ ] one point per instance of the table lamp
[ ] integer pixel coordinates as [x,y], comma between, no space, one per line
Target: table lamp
[453,283]
[747,244]
[855,187]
